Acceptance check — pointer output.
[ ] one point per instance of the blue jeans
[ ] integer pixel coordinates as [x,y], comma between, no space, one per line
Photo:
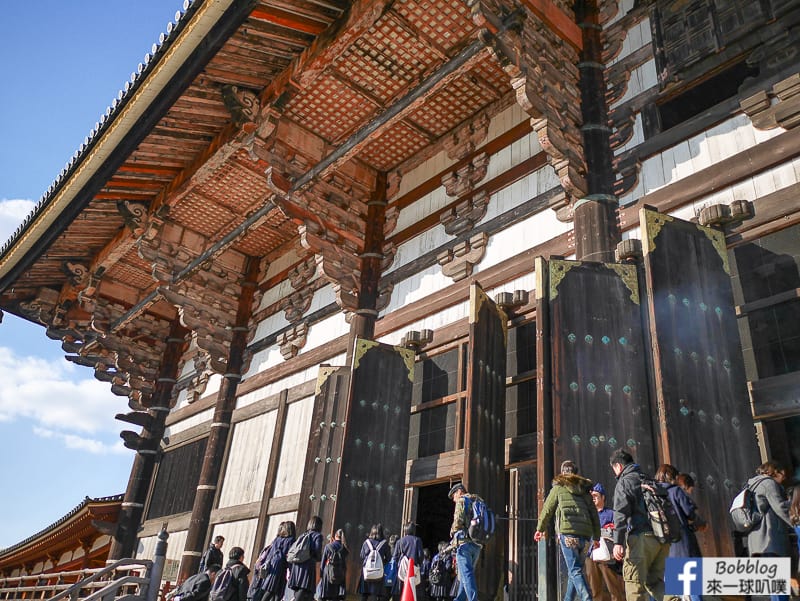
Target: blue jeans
[466,558]
[574,558]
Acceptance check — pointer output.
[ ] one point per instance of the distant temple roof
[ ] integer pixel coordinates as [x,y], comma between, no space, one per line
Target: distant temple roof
[77,528]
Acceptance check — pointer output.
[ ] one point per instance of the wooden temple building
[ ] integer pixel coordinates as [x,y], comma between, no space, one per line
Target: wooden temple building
[340,254]
[77,541]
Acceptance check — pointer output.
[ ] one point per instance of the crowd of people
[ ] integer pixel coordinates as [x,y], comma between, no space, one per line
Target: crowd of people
[610,553]
[613,554]
[302,568]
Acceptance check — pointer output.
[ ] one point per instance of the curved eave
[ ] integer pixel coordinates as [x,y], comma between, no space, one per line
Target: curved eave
[64,534]
[202,31]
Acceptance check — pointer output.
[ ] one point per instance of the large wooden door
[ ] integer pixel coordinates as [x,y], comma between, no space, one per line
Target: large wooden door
[484,442]
[703,407]
[325,444]
[599,376]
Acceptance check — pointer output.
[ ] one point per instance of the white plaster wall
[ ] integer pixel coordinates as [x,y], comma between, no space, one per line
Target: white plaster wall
[702,151]
[625,6]
[241,533]
[248,460]
[638,36]
[189,422]
[295,379]
[642,78]
[289,476]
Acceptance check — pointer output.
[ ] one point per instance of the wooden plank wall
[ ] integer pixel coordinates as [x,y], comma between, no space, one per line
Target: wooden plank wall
[288,479]
[248,460]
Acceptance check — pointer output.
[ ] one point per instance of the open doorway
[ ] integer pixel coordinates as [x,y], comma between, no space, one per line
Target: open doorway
[434,515]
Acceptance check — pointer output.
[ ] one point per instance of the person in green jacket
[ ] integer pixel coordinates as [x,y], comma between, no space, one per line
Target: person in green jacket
[577,524]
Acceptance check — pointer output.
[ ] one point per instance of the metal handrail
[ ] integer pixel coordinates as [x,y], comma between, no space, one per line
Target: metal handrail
[72,591]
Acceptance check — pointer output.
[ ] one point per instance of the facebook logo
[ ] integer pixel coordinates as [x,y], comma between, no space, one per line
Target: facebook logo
[684,576]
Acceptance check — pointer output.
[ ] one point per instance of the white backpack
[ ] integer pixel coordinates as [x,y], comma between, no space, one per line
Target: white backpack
[373,564]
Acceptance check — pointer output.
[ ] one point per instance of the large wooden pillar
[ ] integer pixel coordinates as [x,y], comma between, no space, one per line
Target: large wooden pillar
[220,429]
[130,516]
[595,219]
[363,322]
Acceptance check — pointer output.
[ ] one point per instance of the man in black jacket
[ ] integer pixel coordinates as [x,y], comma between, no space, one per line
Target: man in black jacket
[197,587]
[213,555]
[239,572]
[644,557]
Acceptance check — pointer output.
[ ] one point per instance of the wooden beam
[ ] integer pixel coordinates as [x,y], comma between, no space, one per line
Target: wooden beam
[284,18]
[557,21]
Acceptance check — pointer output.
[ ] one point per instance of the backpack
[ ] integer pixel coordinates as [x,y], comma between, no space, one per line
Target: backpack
[744,511]
[436,575]
[334,568]
[664,519]
[482,521]
[225,586]
[300,551]
[373,563]
[390,573]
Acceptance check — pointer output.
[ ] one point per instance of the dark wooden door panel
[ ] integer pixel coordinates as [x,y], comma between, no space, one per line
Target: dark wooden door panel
[704,410]
[484,446]
[600,390]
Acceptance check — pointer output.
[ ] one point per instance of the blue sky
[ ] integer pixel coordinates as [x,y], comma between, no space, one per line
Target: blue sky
[64,62]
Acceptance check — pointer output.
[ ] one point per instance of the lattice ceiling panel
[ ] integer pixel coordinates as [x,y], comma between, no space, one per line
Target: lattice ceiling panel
[457,102]
[200,214]
[133,271]
[385,61]
[492,73]
[445,22]
[236,187]
[269,237]
[330,108]
[397,144]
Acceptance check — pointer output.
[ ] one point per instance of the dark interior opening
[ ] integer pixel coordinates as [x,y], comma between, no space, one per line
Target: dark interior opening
[705,95]
[434,515]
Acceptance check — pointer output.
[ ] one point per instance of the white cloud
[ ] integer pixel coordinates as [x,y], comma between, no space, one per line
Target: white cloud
[71,441]
[12,212]
[60,400]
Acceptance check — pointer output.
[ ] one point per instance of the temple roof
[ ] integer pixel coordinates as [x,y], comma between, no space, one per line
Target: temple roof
[264,129]
[65,534]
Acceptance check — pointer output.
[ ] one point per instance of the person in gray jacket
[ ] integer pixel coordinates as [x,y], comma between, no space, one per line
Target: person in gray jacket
[771,537]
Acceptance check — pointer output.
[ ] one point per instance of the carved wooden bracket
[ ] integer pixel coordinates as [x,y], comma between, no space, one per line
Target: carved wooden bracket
[243,105]
[458,261]
[42,307]
[463,180]
[292,341]
[545,78]
[195,384]
[78,273]
[777,107]
[207,299]
[465,140]
[463,217]
[134,214]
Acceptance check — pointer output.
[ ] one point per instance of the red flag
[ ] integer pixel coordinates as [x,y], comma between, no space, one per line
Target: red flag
[409,590]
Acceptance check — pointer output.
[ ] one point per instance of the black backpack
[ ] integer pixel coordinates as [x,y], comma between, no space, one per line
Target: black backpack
[225,586]
[664,520]
[436,575]
[335,568]
[744,511]
[300,551]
